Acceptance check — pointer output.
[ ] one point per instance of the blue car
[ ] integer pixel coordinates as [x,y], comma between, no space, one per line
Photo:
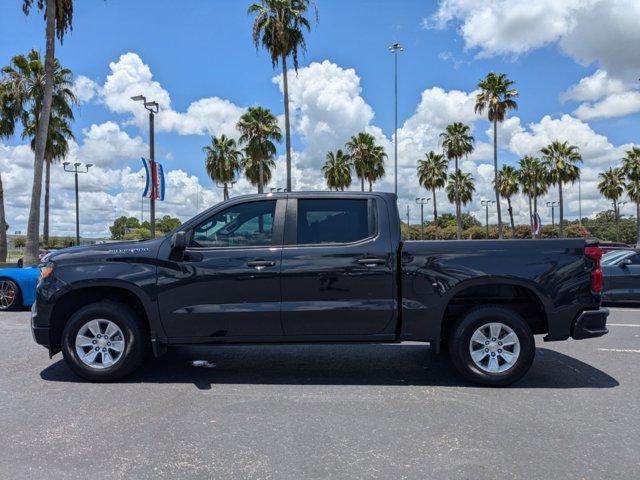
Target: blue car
[17,287]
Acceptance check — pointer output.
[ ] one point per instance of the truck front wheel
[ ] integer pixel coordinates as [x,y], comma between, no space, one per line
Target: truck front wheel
[492,346]
[104,341]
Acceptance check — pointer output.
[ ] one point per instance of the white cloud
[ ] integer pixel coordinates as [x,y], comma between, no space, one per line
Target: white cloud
[594,147]
[85,89]
[130,76]
[594,87]
[326,106]
[590,31]
[615,105]
[107,144]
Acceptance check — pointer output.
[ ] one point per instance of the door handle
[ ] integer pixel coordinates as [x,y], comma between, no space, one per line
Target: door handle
[372,262]
[260,264]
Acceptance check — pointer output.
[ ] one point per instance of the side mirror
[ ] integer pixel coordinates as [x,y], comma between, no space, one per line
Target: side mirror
[625,262]
[179,242]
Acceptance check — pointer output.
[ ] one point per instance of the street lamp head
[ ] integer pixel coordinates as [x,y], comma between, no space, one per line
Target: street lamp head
[77,164]
[139,98]
[396,47]
[64,164]
[89,165]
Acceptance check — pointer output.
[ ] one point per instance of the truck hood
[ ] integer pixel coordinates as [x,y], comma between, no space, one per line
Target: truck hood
[147,248]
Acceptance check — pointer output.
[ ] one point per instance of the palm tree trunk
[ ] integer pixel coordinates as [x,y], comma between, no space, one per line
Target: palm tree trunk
[33,224]
[495,175]
[561,234]
[435,209]
[637,221]
[435,214]
[362,183]
[260,180]
[287,127]
[458,211]
[225,191]
[531,218]
[616,213]
[47,179]
[3,226]
[370,186]
[458,221]
[535,204]
[510,210]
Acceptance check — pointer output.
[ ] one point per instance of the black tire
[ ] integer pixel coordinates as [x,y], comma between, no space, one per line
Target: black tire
[135,337]
[460,338]
[17,298]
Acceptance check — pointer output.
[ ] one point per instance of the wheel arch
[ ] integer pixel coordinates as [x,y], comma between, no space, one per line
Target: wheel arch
[522,296]
[77,296]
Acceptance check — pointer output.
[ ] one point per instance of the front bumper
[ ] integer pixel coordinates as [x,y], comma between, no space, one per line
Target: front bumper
[590,324]
[39,327]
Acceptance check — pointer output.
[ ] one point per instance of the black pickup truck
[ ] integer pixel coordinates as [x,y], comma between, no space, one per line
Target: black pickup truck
[316,267]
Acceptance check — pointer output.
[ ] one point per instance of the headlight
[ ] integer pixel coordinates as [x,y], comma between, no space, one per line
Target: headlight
[46,270]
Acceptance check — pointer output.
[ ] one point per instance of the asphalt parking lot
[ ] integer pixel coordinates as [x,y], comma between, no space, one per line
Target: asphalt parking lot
[298,412]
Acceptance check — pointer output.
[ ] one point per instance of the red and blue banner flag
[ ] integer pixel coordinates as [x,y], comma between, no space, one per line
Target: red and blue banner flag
[154,184]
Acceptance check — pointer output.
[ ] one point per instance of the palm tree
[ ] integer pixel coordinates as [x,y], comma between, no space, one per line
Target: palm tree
[222,161]
[368,158]
[631,169]
[460,188]
[432,175]
[533,177]
[496,96]
[7,127]
[24,81]
[561,162]
[279,26]
[337,170]
[508,186]
[611,186]
[58,17]
[457,142]
[57,149]
[258,130]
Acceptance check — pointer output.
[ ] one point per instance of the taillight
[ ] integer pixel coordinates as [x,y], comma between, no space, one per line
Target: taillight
[595,254]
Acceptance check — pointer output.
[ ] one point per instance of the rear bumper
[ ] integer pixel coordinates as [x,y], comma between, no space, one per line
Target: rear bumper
[590,324]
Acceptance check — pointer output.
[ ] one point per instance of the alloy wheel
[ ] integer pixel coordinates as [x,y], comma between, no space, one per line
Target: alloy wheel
[494,347]
[100,343]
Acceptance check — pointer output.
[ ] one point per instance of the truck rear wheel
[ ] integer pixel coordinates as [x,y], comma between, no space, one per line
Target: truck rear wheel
[492,346]
[104,341]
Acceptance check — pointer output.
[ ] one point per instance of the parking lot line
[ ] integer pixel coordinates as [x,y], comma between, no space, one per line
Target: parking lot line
[619,350]
[623,325]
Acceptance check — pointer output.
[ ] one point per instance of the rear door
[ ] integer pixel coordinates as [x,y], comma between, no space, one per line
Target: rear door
[337,273]
[227,285]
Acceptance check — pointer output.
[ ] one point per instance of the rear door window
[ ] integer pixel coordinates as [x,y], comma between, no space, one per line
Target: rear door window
[335,221]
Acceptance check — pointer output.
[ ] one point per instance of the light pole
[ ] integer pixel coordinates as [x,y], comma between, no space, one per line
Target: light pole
[75,171]
[485,204]
[422,202]
[395,48]
[552,206]
[152,108]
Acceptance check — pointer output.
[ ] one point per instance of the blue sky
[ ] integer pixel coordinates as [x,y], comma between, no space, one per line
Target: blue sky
[203,49]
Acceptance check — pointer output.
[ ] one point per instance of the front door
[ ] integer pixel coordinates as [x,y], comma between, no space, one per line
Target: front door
[227,285]
[337,269]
